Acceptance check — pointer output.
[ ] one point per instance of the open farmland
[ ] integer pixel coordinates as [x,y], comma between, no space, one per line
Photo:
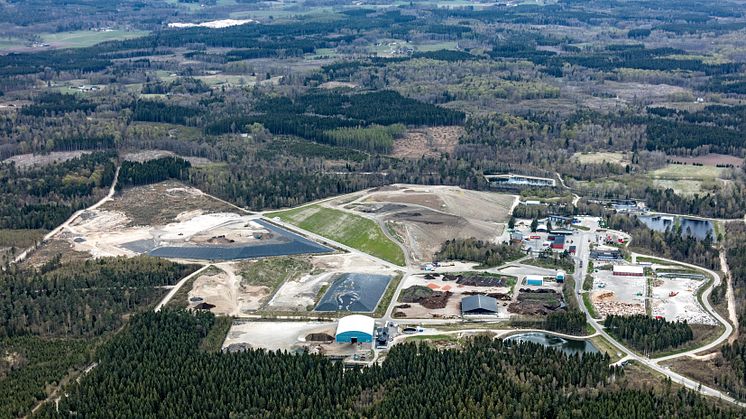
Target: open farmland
[688,179]
[80,39]
[349,229]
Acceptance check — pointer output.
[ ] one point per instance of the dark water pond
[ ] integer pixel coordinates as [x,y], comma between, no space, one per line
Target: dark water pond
[689,226]
[567,346]
[354,292]
[282,244]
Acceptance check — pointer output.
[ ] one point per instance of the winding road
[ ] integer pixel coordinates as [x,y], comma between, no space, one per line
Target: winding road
[581,264]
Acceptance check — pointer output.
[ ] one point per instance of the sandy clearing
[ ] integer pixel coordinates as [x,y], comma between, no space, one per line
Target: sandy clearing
[675,300]
[146,155]
[428,142]
[299,295]
[275,335]
[25,161]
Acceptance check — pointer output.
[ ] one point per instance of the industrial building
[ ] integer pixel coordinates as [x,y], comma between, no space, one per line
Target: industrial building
[603,254]
[478,304]
[355,329]
[520,180]
[535,280]
[628,270]
[558,243]
[559,219]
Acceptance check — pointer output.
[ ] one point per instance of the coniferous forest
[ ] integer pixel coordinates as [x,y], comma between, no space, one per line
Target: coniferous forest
[473,250]
[647,334]
[52,318]
[486,378]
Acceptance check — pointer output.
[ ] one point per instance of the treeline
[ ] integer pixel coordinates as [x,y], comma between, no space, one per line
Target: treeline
[672,243]
[158,111]
[647,334]
[182,85]
[55,104]
[473,250]
[152,171]
[44,197]
[571,322]
[81,299]
[414,380]
[318,115]
[375,138]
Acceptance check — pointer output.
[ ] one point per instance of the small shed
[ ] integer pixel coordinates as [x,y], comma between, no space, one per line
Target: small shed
[478,304]
[535,280]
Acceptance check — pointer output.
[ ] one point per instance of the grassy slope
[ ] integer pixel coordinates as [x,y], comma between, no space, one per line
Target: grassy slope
[349,229]
[80,39]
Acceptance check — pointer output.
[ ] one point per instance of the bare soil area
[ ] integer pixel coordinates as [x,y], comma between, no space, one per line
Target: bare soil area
[161,203]
[427,142]
[52,248]
[711,159]
[24,161]
[145,155]
[444,298]
[423,217]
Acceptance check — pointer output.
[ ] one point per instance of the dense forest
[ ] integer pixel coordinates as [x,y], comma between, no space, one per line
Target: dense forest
[413,380]
[51,319]
[44,197]
[81,298]
[152,171]
[571,322]
[647,334]
[485,253]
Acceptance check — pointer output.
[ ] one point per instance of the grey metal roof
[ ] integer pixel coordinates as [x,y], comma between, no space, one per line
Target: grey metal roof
[477,302]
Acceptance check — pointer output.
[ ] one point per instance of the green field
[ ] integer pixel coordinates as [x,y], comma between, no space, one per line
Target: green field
[273,272]
[689,172]
[80,39]
[349,229]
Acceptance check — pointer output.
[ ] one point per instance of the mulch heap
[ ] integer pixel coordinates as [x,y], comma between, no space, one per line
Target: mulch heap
[425,296]
[536,302]
[476,280]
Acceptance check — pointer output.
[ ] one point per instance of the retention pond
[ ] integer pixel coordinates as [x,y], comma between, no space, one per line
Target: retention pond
[568,346]
[283,243]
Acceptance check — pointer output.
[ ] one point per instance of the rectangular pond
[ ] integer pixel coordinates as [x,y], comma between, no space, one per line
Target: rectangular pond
[355,292]
[283,243]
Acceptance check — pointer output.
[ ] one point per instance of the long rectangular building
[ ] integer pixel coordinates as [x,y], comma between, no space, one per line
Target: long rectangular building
[628,270]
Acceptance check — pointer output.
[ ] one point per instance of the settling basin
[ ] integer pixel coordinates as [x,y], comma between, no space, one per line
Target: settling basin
[283,243]
[568,346]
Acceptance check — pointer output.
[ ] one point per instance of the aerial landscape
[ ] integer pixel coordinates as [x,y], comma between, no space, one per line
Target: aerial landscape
[372,208]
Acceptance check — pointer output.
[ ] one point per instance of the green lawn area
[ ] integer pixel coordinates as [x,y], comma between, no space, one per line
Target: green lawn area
[79,39]
[273,272]
[680,171]
[349,229]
